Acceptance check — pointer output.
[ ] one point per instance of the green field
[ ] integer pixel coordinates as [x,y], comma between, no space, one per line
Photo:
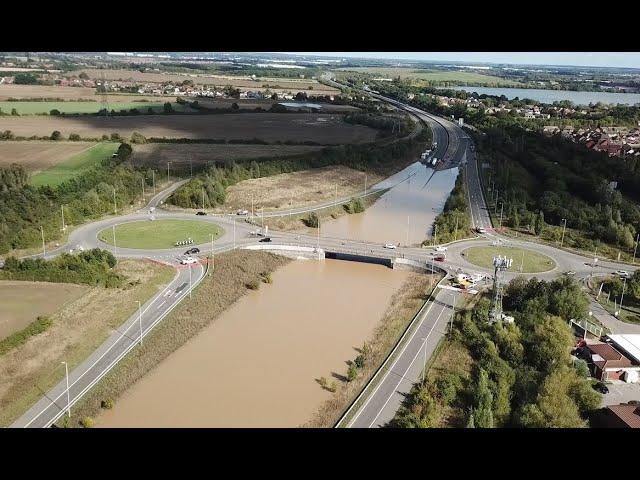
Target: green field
[531,262]
[160,233]
[32,108]
[437,76]
[76,165]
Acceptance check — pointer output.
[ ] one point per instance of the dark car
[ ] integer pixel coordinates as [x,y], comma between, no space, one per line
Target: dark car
[265,239]
[192,250]
[600,387]
[201,213]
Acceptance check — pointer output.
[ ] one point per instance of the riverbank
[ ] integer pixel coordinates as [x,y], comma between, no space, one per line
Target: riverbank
[234,273]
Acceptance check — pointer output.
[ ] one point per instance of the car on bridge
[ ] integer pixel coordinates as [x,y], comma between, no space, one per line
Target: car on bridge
[188,261]
[192,250]
[390,246]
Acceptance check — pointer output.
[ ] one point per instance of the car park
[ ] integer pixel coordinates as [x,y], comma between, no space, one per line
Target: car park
[188,261]
[192,250]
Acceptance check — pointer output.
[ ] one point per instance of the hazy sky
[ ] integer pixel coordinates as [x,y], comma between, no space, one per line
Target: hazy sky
[595,59]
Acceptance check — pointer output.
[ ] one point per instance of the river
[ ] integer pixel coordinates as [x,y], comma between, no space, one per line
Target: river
[550,96]
[407,209]
[256,365]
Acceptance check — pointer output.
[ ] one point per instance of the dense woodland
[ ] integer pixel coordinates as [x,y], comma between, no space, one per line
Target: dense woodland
[523,374]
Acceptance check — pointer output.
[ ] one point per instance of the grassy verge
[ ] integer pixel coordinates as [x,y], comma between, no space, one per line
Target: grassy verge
[30,370]
[160,233]
[403,307]
[233,272]
[76,165]
[530,261]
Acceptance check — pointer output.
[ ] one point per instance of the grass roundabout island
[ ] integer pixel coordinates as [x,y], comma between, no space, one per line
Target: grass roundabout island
[159,234]
[530,261]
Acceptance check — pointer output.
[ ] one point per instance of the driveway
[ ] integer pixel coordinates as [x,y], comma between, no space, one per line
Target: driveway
[620,392]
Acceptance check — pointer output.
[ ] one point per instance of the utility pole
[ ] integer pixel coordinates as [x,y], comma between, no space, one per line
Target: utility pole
[115,247]
[564,227]
[213,259]
[142,181]
[168,178]
[435,234]
[153,174]
[63,225]
[202,198]
[501,210]
[635,249]
[140,320]
[44,251]
[66,372]
[624,284]
[115,207]
[455,235]
[453,311]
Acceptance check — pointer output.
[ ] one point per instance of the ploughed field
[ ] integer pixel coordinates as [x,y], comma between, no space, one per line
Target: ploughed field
[45,91]
[182,155]
[271,127]
[36,156]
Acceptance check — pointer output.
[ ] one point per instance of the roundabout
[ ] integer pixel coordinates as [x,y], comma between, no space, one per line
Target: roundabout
[160,234]
[524,260]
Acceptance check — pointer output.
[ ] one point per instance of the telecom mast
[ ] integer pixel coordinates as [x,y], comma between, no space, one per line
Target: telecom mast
[500,264]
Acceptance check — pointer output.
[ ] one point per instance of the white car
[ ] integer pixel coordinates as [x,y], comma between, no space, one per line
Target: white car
[481,230]
[440,248]
[623,274]
[390,245]
[188,261]
[242,212]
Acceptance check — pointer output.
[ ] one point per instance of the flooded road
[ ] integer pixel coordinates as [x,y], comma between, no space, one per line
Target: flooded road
[404,214]
[256,365]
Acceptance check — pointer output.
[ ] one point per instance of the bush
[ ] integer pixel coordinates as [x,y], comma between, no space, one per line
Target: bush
[253,285]
[54,112]
[333,387]
[266,277]
[323,382]
[115,137]
[56,135]
[352,373]
[87,422]
[312,220]
[359,361]
[138,138]
[74,137]
[581,368]
[107,404]
[354,206]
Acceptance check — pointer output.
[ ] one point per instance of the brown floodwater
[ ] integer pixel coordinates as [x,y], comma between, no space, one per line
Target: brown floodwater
[256,365]
[409,208]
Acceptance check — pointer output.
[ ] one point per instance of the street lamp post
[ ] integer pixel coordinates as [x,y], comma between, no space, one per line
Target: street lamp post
[168,178]
[635,248]
[44,251]
[501,211]
[213,260]
[153,176]
[453,311]
[140,319]
[115,246]
[564,227]
[63,225]
[66,371]
[115,206]
[142,182]
[624,284]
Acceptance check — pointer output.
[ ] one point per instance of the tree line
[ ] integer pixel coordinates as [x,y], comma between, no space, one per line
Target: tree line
[455,215]
[91,267]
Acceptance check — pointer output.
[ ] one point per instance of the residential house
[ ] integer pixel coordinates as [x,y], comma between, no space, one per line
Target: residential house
[607,362]
[617,416]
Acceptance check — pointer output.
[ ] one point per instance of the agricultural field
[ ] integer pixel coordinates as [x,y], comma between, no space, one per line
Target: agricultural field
[303,188]
[22,302]
[45,91]
[160,233]
[156,155]
[34,108]
[436,76]
[242,82]
[264,104]
[75,165]
[36,156]
[76,330]
[271,127]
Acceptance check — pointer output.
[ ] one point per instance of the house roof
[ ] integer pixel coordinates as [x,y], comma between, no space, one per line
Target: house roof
[629,343]
[605,356]
[629,414]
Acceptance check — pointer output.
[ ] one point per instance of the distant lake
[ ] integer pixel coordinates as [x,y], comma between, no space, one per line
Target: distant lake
[550,96]
[300,105]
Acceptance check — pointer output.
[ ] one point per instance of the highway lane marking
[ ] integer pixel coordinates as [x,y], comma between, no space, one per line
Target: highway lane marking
[410,364]
[161,305]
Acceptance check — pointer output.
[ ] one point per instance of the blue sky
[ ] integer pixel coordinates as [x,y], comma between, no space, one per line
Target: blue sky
[595,59]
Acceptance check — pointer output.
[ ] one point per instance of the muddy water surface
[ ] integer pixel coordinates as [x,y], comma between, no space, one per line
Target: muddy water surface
[256,365]
[407,209]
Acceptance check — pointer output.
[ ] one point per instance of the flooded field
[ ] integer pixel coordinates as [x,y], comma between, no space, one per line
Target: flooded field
[257,365]
[404,214]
